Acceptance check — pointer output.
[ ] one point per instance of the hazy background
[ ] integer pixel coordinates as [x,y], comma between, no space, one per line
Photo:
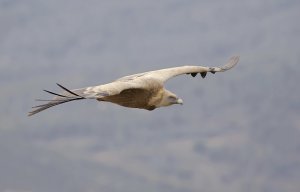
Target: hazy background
[237,131]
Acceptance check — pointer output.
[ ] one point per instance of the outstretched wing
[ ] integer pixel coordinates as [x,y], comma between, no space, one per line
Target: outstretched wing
[64,97]
[165,74]
[94,92]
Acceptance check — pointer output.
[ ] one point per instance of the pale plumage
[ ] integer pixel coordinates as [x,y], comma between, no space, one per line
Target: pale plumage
[143,90]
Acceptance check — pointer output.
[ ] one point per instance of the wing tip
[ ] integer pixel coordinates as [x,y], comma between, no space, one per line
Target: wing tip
[231,63]
[59,99]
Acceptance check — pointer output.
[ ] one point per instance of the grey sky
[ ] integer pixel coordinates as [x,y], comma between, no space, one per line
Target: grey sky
[237,131]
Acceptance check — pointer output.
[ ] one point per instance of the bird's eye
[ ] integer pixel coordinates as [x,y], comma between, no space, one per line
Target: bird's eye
[172,97]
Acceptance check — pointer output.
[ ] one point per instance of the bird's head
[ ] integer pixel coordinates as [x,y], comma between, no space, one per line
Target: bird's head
[169,98]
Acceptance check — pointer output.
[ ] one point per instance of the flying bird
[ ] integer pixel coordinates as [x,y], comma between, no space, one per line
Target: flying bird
[143,90]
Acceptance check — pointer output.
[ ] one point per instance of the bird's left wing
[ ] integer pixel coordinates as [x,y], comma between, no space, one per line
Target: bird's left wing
[165,74]
[93,92]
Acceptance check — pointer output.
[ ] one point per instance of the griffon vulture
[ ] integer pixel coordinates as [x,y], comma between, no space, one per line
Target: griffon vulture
[142,90]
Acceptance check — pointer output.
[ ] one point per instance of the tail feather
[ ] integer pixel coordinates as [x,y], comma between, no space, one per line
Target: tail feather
[64,97]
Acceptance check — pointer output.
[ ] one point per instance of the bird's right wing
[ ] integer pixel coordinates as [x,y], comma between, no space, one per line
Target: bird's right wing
[165,74]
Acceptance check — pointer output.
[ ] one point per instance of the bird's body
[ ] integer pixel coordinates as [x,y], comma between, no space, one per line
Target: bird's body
[143,90]
[146,97]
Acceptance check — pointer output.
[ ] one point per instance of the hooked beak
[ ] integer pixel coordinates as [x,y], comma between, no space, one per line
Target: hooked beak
[180,101]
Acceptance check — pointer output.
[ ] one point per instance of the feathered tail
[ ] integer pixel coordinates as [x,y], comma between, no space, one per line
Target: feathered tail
[64,97]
